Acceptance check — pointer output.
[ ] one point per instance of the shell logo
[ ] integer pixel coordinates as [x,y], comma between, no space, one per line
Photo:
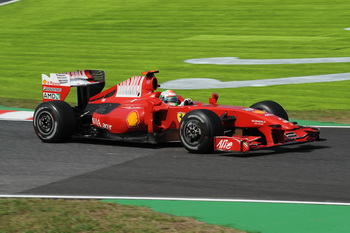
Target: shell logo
[259,111]
[133,119]
[44,82]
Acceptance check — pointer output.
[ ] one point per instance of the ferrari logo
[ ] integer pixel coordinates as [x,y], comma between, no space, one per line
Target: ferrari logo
[180,115]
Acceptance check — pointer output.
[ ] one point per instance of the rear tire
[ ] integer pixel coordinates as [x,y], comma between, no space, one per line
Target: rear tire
[271,107]
[198,129]
[54,121]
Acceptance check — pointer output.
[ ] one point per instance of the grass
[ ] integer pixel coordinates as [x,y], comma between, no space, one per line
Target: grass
[337,116]
[125,38]
[57,215]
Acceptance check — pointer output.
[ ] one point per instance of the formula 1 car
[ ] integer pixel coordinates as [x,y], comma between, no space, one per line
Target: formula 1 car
[133,111]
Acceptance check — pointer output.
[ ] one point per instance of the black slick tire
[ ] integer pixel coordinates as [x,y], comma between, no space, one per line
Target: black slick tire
[198,129]
[54,121]
[271,107]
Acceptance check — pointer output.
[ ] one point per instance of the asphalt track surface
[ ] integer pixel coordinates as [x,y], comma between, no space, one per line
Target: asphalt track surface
[317,171]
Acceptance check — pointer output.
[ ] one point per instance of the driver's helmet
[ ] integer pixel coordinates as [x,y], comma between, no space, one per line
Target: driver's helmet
[169,97]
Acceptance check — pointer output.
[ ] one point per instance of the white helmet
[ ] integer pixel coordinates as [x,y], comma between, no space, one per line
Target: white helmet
[169,97]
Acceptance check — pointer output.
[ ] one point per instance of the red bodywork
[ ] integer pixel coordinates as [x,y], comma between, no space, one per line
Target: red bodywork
[133,106]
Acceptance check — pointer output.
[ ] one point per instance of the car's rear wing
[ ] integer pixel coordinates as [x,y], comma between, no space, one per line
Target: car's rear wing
[88,82]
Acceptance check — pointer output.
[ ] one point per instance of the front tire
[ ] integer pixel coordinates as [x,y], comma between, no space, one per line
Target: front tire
[198,129]
[271,107]
[54,121]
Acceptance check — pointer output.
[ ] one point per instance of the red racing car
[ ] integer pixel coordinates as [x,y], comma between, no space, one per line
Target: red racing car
[134,111]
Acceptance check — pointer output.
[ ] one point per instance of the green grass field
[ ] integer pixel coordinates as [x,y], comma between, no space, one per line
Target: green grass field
[70,216]
[125,38]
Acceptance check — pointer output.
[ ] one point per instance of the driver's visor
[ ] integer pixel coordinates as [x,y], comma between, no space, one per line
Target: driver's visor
[171,99]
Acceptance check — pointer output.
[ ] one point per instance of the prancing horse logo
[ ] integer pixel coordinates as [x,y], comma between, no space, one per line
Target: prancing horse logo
[180,115]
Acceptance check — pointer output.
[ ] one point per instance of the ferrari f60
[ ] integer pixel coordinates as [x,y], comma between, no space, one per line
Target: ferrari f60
[134,111]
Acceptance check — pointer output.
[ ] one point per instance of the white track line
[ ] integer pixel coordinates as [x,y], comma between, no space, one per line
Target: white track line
[5,3]
[238,61]
[208,83]
[334,126]
[173,199]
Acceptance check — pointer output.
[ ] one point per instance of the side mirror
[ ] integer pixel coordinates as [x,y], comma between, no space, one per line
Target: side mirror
[214,98]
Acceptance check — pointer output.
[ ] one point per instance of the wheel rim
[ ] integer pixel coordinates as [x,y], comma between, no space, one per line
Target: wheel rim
[193,132]
[45,123]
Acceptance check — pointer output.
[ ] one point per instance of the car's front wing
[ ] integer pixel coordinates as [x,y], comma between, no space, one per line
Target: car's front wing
[247,143]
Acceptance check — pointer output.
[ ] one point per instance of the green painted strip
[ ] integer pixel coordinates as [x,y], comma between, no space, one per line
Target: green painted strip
[14,109]
[317,123]
[257,217]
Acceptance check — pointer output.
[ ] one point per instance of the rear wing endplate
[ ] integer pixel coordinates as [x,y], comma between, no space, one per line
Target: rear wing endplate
[57,85]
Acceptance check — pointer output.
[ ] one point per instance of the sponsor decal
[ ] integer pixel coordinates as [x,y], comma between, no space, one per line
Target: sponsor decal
[54,89]
[131,87]
[246,146]
[133,107]
[180,115]
[133,119]
[259,112]
[291,135]
[98,123]
[224,144]
[51,96]
[283,120]
[51,83]
[258,122]
[62,78]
